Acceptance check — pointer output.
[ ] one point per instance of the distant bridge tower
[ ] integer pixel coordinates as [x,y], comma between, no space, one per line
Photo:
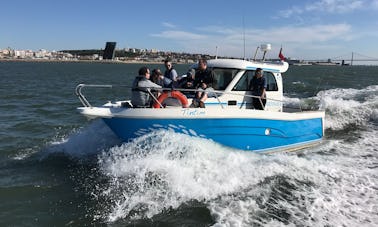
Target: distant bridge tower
[351,61]
[109,51]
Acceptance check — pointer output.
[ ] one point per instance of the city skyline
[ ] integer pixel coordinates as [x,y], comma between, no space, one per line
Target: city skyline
[305,29]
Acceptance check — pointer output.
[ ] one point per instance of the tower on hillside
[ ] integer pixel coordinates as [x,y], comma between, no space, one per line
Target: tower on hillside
[109,50]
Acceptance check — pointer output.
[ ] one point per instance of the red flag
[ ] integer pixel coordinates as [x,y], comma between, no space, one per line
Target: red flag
[281,56]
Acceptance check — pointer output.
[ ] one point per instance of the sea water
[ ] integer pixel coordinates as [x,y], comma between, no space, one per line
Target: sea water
[58,168]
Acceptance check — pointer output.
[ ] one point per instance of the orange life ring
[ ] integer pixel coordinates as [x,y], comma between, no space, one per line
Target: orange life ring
[172,94]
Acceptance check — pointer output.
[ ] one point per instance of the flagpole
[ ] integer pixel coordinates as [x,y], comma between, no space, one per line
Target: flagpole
[280,55]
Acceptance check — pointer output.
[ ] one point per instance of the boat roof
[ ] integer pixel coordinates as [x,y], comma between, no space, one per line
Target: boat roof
[279,66]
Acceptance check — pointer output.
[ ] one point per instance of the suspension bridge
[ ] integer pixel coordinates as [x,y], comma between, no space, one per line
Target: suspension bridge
[349,59]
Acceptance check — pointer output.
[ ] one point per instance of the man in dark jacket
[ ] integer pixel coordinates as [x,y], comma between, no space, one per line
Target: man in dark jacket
[203,81]
[258,87]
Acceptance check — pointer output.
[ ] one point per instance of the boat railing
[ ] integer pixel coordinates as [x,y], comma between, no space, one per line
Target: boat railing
[80,95]
[217,93]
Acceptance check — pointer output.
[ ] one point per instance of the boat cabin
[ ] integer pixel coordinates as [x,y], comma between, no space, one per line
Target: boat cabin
[233,77]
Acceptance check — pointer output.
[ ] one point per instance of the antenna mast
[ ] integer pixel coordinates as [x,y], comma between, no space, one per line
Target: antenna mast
[265,47]
[254,58]
[244,38]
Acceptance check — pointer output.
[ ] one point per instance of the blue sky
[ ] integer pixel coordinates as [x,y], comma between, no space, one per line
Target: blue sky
[306,29]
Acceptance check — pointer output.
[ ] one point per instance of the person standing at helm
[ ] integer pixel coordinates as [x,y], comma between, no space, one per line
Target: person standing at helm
[140,95]
[258,87]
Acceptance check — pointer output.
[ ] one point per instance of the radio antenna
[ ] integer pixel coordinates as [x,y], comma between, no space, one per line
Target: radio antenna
[244,38]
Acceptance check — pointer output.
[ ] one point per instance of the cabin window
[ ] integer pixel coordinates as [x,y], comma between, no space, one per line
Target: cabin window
[270,81]
[244,82]
[223,77]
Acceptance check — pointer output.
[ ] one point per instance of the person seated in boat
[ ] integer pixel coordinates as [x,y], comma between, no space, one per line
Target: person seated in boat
[203,81]
[155,76]
[170,72]
[141,89]
[158,78]
[186,82]
[258,87]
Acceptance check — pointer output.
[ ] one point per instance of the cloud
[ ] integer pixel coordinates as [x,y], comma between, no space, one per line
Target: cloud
[168,25]
[335,6]
[289,12]
[330,6]
[230,40]
[307,34]
[218,30]
[179,35]
[293,37]
[374,4]
[300,34]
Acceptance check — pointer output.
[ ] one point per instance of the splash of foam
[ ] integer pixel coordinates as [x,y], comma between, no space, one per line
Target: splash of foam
[163,170]
[338,189]
[349,106]
[344,107]
[87,141]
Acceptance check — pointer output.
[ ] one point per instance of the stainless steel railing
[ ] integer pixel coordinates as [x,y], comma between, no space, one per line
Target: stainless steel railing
[217,93]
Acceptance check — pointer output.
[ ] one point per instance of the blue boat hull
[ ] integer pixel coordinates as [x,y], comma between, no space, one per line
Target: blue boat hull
[256,135]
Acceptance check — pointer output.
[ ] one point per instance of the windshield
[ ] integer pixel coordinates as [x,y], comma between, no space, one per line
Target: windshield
[244,82]
[223,77]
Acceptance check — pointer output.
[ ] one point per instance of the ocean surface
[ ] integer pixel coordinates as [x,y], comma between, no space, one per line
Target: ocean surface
[59,169]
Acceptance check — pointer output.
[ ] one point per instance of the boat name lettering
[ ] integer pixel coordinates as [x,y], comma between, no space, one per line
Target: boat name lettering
[189,112]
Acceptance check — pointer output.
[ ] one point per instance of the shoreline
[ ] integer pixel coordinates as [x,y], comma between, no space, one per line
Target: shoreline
[131,62]
[85,61]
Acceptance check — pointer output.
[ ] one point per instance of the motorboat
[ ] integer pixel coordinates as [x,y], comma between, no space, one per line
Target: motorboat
[228,118]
